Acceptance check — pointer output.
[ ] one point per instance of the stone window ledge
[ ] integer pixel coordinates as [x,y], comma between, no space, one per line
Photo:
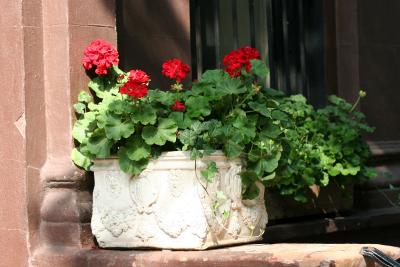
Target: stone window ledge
[240,256]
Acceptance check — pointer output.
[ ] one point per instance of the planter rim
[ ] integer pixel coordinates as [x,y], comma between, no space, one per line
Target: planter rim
[182,158]
[184,155]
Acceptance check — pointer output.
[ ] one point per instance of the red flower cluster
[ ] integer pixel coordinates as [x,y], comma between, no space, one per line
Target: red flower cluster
[100,54]
[137,84]
[175,69]
[238,59]
[178,106]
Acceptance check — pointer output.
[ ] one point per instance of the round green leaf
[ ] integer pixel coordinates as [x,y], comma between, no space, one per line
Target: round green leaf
[165,131]
[137,149]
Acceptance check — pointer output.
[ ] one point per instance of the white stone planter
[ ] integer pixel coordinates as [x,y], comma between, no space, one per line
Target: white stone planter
[169,205]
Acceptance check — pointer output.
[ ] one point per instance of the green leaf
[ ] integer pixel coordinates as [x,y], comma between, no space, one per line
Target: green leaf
[85,97]
[300,198]
[231,87]
[116,128]
[165,131]
[130,166]
[260,108]
[269,177]
[232,149]
[248,177]
[267,165]
[118,71]
[99,145]
[93,107]
[213,128]
[120,107]
[188,137]
[103,86]
[225,214]
[351,170]
[270,131]
[298,98]
[325,180]
[273,92]
[259,68]
[165,98]
[145,114]
[208,150]
[370,172]
[308,176]
[250,189]
[325,160]
[210,172]
[137,149]
[335,170]
[197,106]
[182,119]
[80,108]
[344,170]
[214,76]
[195,154]
[79,131]
[81,160]
[83,126]
[279,115]
[251,192]
[339,102]
[197,127]
[240,119]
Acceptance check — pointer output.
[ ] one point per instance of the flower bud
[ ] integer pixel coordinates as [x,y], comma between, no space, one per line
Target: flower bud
[362,93]
[177,87]
[256,87]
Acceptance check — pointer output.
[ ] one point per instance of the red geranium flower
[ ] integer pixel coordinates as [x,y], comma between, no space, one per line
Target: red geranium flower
[100,54]
[139,76]
[238,59]
[137,84]
[178,106]
[175,69]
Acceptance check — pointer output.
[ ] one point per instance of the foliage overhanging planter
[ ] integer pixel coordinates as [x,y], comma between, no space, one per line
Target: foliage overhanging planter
[169,205]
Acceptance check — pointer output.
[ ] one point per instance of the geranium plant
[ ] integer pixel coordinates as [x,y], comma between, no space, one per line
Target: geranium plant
[282,140]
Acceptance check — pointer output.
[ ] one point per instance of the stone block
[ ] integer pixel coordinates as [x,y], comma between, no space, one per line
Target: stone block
[13,247]
[80,13]
[85,206]
[276,255]
[87,238]
[55,234]
[60,205]
[60,257]
[301,255]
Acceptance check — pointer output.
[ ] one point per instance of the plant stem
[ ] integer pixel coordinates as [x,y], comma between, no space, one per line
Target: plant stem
[355,104]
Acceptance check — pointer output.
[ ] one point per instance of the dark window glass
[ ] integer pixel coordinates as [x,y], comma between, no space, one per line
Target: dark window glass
[288,33]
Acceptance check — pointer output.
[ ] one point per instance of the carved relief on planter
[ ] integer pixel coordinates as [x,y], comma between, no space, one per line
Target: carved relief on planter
[169,205]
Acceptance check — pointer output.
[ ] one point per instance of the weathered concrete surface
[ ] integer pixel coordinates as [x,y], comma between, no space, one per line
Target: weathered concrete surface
[302,255]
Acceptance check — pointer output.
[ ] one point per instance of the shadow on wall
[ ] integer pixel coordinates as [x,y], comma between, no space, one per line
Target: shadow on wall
[150,32]
[109,5]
